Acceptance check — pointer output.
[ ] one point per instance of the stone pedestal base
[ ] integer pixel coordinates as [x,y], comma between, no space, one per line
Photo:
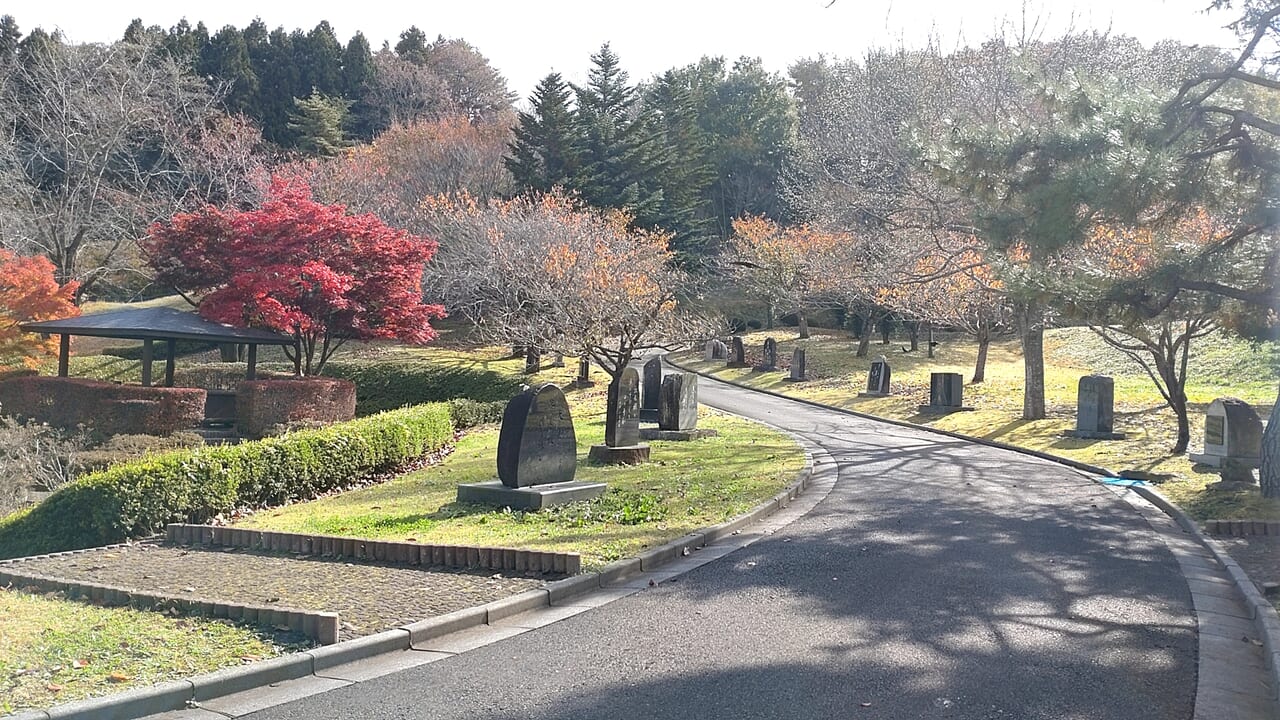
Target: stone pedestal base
[583,383]
[737,364]
[1222,460]
[764,368]
[872,394]
[623,455]
[648,415]
[655,434]
[791,379]
[942,409]
[532,497]
[1093,435]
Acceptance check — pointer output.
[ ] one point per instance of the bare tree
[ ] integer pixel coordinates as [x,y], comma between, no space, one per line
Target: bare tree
[101,141]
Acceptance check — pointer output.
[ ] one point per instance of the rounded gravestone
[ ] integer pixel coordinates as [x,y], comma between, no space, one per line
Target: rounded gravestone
[537,444]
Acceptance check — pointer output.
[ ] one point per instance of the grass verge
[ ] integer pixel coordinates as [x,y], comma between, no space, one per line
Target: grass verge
[1219,367]
[55,651]
[688,485]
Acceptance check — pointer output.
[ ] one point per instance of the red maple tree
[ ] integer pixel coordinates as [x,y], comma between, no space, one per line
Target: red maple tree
[29,292]
[300,267]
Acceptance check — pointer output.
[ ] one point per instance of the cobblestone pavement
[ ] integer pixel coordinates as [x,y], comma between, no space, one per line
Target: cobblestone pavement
[367,597]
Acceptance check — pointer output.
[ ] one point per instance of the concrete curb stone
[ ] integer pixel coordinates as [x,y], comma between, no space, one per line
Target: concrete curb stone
[264,672]
[131,704]
[328,656]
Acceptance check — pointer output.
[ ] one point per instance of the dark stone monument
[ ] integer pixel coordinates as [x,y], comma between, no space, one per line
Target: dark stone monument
[678,410]
[532,360]
[584,373]
[797,365]
[651,389]
[537,456]
[622,424]
[721,351]
[878,378]
[557,360]
[737,353]
[1095,409]
[770,355]
[946,394]
[1232,436]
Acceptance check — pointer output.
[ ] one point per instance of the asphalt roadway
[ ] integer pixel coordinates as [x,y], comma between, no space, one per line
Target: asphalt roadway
[938,579]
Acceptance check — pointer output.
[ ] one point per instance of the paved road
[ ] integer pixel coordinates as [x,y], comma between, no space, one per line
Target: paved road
[938,579]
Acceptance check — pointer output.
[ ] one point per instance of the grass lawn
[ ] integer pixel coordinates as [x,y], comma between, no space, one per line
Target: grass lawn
[1220,366]
[688,485]
[56,651]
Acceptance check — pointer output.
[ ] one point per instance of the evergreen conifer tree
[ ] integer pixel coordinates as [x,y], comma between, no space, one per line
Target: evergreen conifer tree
[544,153]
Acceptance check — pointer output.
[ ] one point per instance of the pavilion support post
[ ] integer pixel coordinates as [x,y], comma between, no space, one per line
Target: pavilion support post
[171,347]
[148,355]
[251,373]
[64,354]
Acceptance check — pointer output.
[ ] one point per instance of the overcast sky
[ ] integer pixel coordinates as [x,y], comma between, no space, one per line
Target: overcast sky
[527,39]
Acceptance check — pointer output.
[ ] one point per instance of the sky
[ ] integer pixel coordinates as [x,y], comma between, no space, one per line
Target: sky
[527,39]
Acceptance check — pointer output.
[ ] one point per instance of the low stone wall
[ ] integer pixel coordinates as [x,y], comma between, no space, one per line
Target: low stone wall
[108,408]
[1241,528]
[389,551]
[264,404]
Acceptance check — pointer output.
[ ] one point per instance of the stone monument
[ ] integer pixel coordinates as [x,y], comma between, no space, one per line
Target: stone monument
[584,373]
[878,378]
[651,389]
[622,444]
[770,355]
[537,456]
[709,350]
[1095,409]
[678,410]
[1232,435]
[737,353]
[946,394]
[797,365]
[532,360]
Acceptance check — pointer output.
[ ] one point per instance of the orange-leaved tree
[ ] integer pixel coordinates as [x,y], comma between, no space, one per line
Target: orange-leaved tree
[29,292]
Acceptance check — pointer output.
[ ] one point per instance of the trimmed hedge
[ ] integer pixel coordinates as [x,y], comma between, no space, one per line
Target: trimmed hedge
[138,498]
[264,404]
[109,408]
[469,413]
[386,385]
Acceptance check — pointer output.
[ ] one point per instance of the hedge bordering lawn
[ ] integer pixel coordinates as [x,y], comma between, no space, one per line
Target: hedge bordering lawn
[386,385]
[139,498]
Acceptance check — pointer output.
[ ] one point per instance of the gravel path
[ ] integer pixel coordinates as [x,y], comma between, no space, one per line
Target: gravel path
[1258,555]
[367,597]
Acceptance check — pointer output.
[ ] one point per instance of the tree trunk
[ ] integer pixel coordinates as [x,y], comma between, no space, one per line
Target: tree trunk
[980,367]
[1269,473]
[1179,405]
[768,323]
[1031,327]
[864,341]
[931,342]
[886,329]
[804,325]
[913,333]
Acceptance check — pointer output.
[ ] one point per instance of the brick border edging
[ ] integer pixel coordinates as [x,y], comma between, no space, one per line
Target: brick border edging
[390,551]
[1263,613]
[177,695]
[1242,528]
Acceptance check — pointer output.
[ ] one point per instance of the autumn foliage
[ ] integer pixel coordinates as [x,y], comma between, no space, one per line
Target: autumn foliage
[29,292]
[299,267]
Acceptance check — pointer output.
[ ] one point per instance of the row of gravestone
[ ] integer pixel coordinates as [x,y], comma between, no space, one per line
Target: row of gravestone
[735,355]
[537,445]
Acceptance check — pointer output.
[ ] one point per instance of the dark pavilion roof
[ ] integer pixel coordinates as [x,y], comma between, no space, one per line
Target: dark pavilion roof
[155,324]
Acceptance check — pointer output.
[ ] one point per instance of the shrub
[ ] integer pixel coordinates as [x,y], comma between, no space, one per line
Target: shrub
[160,350]
[33,456]
[109,408]
[138,498]
[264,404]
[216,376]
[127,448]
[385,385]
[469,413]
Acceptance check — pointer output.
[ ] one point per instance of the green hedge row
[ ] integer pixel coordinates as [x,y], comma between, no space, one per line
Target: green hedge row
[386,385]
[138,498]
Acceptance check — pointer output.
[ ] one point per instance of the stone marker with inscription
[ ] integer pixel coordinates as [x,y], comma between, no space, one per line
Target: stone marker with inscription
[678,410]
[709,350]
[622,444]
[1095,409]
[797,365]
[946,394]
[878,378]
[770,355]
[650,390]
[737,353]
[1232,435]
[584,373]
[537,456]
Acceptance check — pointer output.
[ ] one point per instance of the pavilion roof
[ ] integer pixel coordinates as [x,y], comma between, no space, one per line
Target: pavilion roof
[156,324]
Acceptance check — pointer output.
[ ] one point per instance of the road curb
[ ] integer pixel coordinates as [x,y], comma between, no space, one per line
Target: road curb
[180,694]
[1263,613]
